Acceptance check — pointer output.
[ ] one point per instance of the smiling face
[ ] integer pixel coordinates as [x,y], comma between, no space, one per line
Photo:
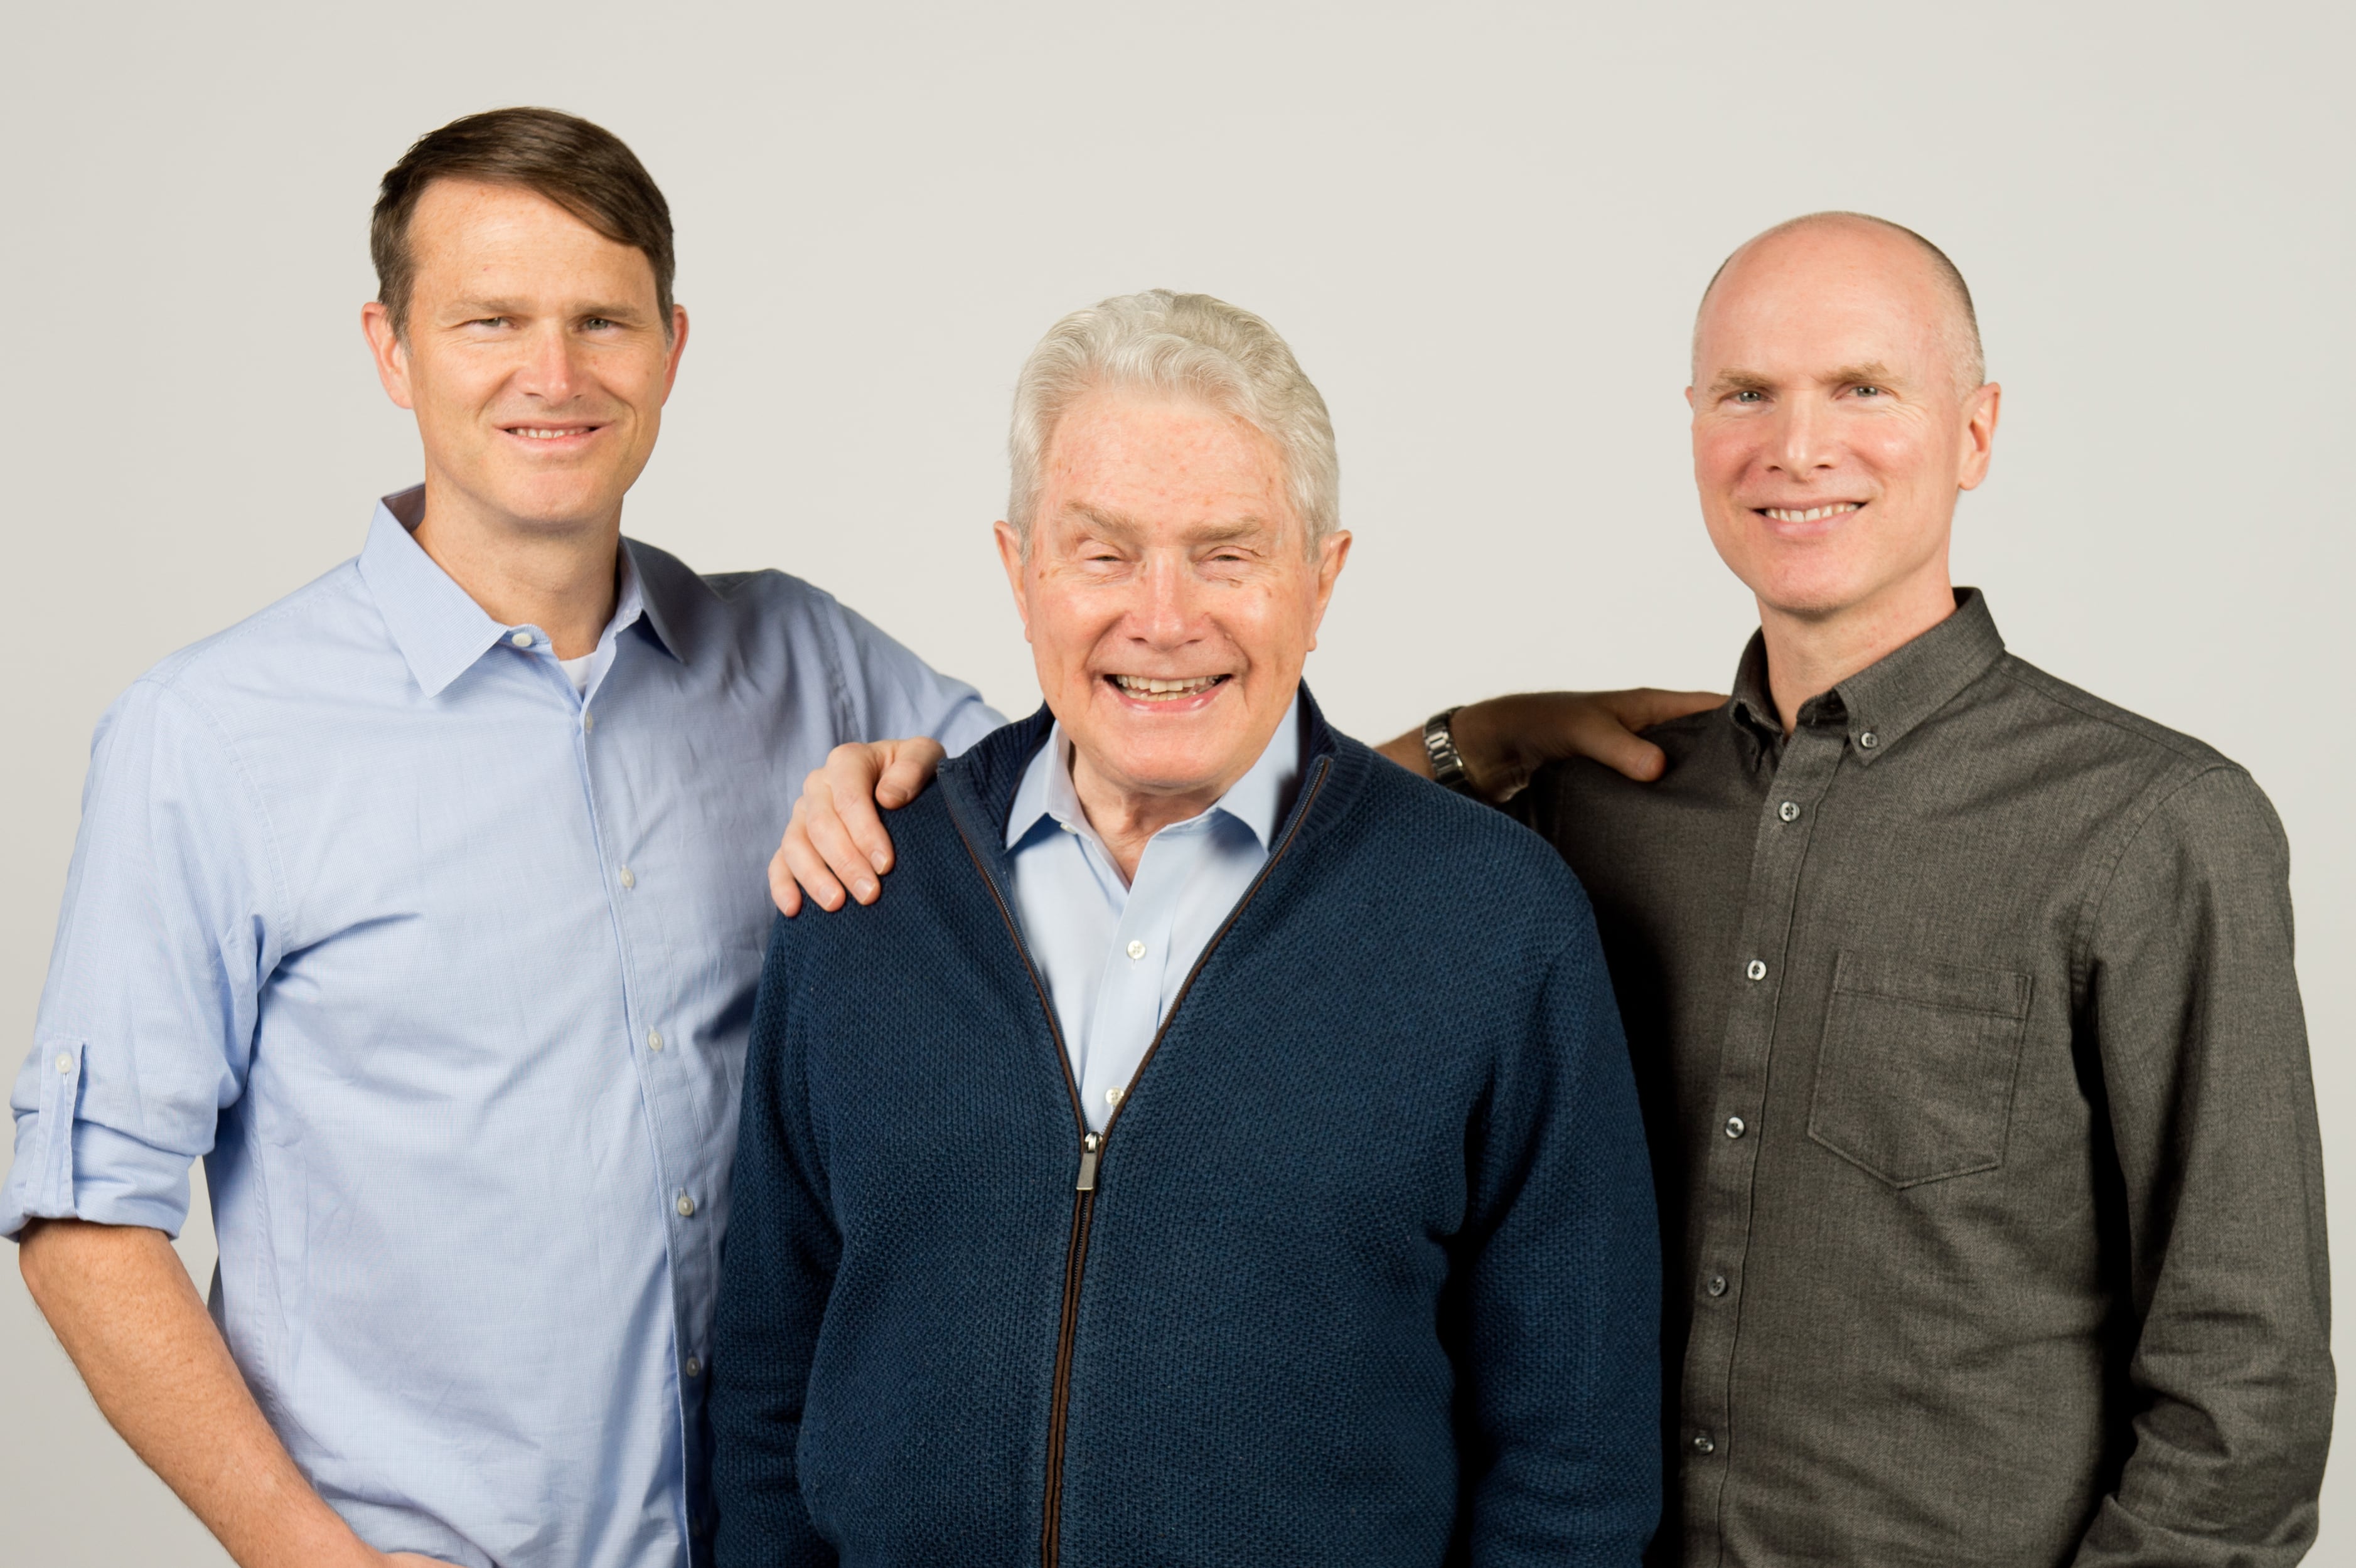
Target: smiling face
[1831,434]
[536,358]
[1168,598]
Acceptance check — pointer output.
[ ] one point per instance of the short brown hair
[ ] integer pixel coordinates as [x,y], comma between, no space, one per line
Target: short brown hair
[584,168]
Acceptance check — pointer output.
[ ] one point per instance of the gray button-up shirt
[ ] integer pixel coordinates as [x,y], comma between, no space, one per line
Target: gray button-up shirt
[1978,1090]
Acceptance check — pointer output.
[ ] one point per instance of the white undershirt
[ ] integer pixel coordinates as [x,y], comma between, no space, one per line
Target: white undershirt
[577,672]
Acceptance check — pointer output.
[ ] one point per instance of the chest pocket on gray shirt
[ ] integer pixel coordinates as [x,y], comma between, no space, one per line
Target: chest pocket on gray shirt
[1915,1080]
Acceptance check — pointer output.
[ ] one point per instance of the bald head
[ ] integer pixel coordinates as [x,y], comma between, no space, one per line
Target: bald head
[1838,412]
[1871,248]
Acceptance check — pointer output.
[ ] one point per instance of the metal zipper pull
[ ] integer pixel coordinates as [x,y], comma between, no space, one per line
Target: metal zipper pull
[1089,1145]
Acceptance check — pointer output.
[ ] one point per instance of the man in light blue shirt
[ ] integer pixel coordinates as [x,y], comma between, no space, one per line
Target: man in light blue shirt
[1116,953]
[425,906]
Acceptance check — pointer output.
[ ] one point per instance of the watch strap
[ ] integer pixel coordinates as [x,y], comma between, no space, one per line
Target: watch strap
[1439,748]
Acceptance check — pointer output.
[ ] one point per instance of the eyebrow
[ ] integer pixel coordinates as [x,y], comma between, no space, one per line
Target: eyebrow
[471,309]
[1104,522]
[1741,382]
[1872,372]
[1128,529]
[1228,533]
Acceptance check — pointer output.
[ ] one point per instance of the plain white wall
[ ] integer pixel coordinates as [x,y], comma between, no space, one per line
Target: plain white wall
[1483,227]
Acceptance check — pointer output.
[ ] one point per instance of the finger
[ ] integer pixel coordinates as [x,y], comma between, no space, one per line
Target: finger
[1645,706]
[913,764]
[849,808]
[803,861]
[805,865]
[820,817]
[1604,737]
[784,891]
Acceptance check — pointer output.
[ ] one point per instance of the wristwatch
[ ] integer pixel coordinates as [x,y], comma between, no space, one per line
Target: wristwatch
[1447,763]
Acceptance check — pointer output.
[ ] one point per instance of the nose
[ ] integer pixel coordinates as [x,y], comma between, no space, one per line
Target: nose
[1168,614]
[1803,441]
[549,372]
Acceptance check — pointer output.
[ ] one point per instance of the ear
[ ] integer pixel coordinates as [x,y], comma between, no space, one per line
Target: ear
[1331,556]
[1010,556]
[678,348]
[390,353]
[1979,435]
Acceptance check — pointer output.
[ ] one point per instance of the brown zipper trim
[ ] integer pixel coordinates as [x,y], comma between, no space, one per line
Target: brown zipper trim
[1092,1146]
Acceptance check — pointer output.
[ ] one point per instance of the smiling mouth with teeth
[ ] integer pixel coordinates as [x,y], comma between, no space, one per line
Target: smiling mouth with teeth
[1149,689]
[1811,515]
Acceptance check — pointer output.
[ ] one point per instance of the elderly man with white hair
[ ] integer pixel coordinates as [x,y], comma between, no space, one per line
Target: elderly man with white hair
[1222,1146]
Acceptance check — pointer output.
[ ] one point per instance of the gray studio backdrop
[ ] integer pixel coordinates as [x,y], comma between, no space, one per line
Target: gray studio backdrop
[1482,228]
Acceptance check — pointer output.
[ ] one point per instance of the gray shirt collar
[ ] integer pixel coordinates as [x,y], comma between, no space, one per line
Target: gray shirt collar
[1887,699]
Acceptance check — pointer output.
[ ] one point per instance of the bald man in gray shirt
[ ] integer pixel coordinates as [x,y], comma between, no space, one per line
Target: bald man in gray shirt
[1962,1007]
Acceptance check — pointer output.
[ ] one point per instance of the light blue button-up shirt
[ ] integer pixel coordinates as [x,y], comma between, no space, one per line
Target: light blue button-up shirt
[1116,954]
[445,970]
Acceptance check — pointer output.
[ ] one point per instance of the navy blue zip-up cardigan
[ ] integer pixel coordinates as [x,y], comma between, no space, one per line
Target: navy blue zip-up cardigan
[1363,1273]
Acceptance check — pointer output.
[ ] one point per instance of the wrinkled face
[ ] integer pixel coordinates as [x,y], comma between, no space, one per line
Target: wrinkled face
[536,358]
[1830,437]
[1167,595]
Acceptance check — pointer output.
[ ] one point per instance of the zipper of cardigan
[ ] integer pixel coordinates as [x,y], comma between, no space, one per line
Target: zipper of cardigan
[1092,1146]
[1067,1328]
[1084,1197]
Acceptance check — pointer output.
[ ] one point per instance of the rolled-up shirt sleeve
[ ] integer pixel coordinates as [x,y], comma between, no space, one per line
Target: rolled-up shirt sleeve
[148,1019]
[2195,1011]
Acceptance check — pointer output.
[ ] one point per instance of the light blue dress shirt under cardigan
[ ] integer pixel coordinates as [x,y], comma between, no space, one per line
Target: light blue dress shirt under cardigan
[445,971]
[1116,955]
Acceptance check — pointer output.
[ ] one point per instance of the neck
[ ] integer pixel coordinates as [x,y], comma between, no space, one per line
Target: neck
[560,577]
[1808,655]
[1127,819]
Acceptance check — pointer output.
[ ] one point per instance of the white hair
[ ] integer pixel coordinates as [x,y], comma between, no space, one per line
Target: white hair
[1188,346]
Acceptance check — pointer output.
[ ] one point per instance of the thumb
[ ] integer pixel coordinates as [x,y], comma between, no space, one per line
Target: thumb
[911,768]
[1628,755]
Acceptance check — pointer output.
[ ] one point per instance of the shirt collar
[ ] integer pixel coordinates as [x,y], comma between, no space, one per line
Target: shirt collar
[1888,699]
[439,628]
[1258,800]
[675,599]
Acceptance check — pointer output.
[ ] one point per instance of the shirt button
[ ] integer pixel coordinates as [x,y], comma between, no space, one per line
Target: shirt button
[686,1207]
[1718,1285]
[588,721]
[1112,1096]
[1702,1443]
[521,639]
[1137,950]
[629,880]
[1067,827]
[65,1064]
[1788,811]
[1869,740]
[654,1040]
[1755,969]
[695,1367]
[1735,1127]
